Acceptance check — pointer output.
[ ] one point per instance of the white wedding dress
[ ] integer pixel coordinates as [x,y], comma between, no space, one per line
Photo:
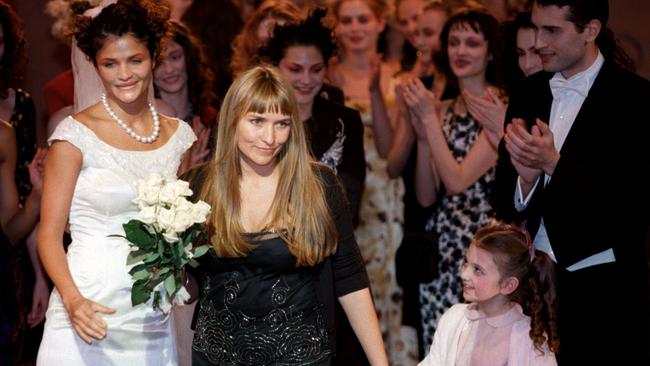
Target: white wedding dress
[101,203]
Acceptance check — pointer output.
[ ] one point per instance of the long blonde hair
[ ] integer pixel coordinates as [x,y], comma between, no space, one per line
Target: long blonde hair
[299,201]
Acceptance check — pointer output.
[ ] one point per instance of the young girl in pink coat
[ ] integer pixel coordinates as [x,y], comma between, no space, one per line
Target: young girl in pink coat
[510,314]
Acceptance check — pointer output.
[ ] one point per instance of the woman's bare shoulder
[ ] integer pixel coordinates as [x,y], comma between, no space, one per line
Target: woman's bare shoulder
[89,116]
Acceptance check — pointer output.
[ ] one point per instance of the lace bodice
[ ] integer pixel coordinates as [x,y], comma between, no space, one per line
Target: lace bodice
[106,183]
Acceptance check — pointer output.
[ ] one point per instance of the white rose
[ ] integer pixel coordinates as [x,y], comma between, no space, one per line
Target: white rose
[154,180]
[166,217]
[182,188]
[172,191]
[200,211]
[147,215]
[182,221]
[170,236]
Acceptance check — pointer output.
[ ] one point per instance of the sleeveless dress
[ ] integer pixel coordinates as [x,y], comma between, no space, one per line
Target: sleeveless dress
[379,234]
[455,220]
[101,203]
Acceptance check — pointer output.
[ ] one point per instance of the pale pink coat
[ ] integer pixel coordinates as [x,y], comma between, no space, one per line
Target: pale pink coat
[521,351]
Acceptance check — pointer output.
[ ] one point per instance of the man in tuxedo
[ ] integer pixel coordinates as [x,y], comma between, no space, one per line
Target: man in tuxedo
[572,166]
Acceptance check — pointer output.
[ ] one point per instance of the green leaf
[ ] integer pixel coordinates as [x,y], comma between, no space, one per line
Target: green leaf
[141,275]
[170,285]
[135,257]
[161,248]
[137,268]
[139,293]
[192,262]
[137,234]
[151,258]
[199,251]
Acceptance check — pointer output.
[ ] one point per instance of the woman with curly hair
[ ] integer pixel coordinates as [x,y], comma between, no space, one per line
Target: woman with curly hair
[183,79]
[95,158]
[257,31]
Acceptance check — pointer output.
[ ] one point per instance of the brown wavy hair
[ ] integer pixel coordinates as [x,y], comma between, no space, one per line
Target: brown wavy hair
[299,204]
[13,57]
[146,20]
[515,256]
[246,45]
[200,78]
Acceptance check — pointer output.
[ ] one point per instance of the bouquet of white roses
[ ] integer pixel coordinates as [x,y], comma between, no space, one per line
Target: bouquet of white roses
[161,238]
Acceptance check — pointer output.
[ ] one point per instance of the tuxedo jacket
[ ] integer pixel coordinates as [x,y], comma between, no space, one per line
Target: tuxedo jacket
[600,183]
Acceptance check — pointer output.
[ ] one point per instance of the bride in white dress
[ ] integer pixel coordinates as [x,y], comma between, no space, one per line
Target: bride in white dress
[95,158]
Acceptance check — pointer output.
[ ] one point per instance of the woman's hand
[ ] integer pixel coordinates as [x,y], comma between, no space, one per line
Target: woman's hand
[40,299]
[83,314]
[200,149]
[420,100]
[36,167]
[489,111]
[375,74]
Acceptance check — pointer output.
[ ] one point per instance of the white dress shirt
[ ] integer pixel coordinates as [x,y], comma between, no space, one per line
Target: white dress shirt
[568,96]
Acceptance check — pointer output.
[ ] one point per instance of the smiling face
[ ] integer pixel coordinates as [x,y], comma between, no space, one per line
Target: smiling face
[468,52]
[125,68]
[561,47]
[408,12]
[527,56]
[482,282]
[429,27]
[304,68]
[170,76]
[260,138]
[358,27]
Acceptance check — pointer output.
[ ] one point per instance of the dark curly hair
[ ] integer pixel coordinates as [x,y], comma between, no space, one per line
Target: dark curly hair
[14,53]
[308,32]
[145,20]
[481,21]
[200,78]
[245,46]
[515,256]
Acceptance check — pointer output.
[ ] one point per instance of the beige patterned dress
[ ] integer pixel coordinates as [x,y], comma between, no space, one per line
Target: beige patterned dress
[379,234]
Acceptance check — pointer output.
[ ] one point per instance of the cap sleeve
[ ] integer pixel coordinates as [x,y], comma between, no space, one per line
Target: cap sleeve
[186,136]
[71,131]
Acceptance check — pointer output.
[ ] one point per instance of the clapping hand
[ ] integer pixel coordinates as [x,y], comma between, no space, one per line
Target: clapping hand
[534,149]
[200,149]
[375,74]
[489,111]
[420,100]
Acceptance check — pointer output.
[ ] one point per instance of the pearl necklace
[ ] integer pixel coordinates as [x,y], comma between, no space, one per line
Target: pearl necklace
[145,139]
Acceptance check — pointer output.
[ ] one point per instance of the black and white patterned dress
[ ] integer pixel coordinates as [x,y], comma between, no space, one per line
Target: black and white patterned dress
[455,220]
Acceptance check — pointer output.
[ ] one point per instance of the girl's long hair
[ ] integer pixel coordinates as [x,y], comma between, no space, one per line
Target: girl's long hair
[299,205]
